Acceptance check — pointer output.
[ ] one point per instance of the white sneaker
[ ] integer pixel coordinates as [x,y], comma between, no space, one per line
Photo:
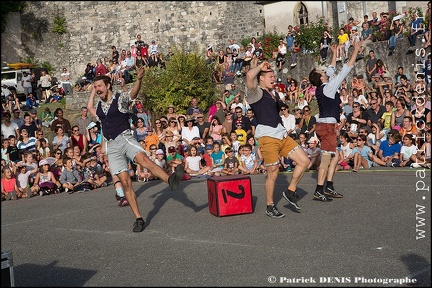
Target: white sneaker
[415,165]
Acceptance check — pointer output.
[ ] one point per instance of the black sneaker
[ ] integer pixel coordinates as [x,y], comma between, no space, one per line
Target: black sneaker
[321,197]
[332,192]
[291,198]
[117,197]
[273,212]
[138,225]
[174,178]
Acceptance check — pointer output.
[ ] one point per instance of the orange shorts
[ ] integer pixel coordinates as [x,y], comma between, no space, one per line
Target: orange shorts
[271,148]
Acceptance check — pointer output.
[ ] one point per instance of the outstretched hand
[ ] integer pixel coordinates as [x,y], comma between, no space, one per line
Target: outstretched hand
[140,72]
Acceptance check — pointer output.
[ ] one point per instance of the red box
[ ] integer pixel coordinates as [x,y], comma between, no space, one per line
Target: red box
[229,195]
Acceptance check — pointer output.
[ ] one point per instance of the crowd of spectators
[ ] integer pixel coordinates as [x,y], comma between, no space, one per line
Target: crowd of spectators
[385,120]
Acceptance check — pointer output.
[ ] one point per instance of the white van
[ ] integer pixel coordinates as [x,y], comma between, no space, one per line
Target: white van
[12,78]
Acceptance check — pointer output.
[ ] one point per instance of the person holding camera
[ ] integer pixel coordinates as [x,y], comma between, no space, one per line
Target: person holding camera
[324,45]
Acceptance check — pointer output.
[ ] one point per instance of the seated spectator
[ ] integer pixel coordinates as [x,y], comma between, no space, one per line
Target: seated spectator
[408,152]
[396,32]
[60,121]
[193,163]
[248,161]
[61,140]
[314,153]
[389,149]
[408,127]
[70,177]
[374,113]
[231,163]
[400,112]
[346,158]
[190,131]
[45,181]
[375,137]
[416,28]
[362,154]
[31,102]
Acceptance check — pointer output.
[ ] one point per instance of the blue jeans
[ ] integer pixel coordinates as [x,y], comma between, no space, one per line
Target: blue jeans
[393,40]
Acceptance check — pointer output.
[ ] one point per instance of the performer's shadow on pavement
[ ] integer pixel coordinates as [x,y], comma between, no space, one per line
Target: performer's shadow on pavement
[161,197]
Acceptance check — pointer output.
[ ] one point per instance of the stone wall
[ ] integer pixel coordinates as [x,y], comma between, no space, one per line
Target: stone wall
[94,26]
[307,61]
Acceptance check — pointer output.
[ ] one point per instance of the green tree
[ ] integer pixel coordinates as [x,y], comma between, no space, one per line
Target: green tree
[309,35]
[186,76]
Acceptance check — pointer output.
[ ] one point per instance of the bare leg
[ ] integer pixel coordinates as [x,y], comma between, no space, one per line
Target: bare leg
[129,193]
[272,173]
[300,157]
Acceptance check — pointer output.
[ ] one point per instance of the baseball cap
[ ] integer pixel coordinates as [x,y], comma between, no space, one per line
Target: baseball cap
[314,140]
[149,129]
[196,138]
[171,149]
[209,147]
[33,111]
[159,151]
[91,125]
[354,28]
[139,105]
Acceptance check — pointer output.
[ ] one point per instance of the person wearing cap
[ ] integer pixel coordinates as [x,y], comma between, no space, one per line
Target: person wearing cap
[141,113]
[396,31]
[112,110]
[160,159]
[329,115]
[301,101]
[314,153]
[190,131]
[273,139]
[171,112]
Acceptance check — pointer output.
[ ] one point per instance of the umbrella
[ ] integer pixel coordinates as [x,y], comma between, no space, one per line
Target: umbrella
[398,17]
[48,160]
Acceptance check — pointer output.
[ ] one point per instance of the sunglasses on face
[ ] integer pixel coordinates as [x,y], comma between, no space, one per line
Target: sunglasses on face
[359,139]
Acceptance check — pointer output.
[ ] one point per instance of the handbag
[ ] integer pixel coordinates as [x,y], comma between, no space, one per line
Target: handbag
[83,186]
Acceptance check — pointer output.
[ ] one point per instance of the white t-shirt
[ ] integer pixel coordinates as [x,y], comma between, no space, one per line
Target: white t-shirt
[193,162]
[288,122]
[26,80]
[408,151]
[65,77]
[190,134]
[7,131]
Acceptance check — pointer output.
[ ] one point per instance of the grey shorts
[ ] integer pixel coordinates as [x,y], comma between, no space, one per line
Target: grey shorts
[28,90]
[124,145]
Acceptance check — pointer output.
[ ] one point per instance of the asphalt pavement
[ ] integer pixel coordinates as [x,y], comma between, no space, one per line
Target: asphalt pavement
[378,234]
